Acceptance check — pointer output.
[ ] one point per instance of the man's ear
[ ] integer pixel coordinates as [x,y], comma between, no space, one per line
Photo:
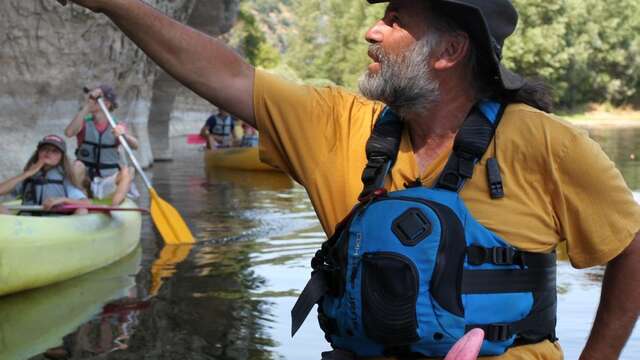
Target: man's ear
[452,51]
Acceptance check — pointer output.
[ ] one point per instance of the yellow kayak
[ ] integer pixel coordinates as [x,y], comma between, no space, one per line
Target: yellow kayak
[36,320]
[268,180]
[37,251]
[245,158]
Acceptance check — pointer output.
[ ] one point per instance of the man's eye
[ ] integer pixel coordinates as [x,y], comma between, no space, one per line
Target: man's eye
[392,20]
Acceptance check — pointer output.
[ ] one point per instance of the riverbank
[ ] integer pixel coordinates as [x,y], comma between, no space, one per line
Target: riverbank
[602,116]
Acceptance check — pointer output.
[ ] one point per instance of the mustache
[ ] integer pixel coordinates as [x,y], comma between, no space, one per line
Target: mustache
[377,52]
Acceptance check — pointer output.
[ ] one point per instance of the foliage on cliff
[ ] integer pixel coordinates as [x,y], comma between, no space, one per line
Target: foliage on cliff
[587,50]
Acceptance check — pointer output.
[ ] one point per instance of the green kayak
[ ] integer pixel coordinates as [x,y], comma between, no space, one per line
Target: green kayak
[38,251]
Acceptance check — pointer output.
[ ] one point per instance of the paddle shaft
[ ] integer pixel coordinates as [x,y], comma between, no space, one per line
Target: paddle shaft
[167,219]
[124,143]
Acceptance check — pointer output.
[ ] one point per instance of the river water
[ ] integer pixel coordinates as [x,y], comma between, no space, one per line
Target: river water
[229,296]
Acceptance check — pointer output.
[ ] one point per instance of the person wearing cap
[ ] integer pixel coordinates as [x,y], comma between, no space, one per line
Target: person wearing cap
[47,179]
[432,62]
[99,161]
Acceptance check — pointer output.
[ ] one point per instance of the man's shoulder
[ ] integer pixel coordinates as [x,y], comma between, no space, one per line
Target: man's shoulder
[521,120]
[536,137]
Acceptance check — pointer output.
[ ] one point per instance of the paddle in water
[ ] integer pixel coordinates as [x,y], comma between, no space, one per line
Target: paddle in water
[166,218]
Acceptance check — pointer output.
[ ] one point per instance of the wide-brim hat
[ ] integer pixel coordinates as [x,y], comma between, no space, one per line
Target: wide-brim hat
[488,23]
[54,140]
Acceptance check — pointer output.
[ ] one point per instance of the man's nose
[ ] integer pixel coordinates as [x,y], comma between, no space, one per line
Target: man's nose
[375,33]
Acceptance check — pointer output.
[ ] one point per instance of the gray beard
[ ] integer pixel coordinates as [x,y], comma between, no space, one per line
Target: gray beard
[404,82]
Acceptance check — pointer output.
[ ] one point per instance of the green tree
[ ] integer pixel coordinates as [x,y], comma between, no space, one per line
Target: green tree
[328,39]
[250,39]
[588,50]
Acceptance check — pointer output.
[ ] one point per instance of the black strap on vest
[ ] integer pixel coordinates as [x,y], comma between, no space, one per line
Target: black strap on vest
[536,273]
[93,165]
[43,181]
[91,143]
[528,329]
[382,151]
[469,146]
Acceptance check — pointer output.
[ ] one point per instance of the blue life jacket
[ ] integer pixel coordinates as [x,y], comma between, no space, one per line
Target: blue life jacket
[44,185]
[249,140]
[408,273]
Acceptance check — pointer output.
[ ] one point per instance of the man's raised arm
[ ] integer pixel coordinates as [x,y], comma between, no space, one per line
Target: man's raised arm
[203,64]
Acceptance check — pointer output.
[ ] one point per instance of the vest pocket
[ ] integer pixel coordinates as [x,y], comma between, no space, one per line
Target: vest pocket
[389,295]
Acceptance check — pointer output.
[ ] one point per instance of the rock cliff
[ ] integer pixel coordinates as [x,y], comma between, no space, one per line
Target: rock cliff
[48,53]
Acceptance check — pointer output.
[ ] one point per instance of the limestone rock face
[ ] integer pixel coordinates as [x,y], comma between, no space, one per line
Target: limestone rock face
[48,53]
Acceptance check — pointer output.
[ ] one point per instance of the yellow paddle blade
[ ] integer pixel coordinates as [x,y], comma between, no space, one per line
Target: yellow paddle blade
[168,221]
[165,265]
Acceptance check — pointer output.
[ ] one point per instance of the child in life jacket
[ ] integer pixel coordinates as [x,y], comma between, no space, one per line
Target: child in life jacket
[47,179]
[99,162]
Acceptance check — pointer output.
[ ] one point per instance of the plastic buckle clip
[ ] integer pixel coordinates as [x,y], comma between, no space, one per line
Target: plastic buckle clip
[498,332]
[450,180]
[466,163]
[503,255]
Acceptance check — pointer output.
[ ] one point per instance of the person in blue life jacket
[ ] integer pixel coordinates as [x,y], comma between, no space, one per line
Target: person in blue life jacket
[99,161]
[444,187]
[218,130]
[249,136]
[47,179]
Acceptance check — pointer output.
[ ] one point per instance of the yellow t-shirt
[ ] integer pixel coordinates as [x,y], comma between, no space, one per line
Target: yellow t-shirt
[559,185]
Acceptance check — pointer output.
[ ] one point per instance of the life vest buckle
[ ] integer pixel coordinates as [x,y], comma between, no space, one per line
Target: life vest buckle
[503,255]
[498,332]
[373,195]
[450,180]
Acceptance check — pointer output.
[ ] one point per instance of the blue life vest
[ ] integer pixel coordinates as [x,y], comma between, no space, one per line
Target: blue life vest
[222,127]
[44,185]
[249,140]
[408,273]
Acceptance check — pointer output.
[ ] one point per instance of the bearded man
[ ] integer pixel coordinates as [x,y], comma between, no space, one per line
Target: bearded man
[439,110]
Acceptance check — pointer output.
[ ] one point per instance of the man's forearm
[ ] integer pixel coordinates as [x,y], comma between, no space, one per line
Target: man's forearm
[619,306]
[203,64]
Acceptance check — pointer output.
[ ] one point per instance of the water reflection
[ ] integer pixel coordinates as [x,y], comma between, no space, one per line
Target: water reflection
[229,296]
[36,320]
[623,147]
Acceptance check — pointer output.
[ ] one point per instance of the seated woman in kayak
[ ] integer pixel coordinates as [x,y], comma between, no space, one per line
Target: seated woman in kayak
[249,136]
[99,162]
[48,178]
